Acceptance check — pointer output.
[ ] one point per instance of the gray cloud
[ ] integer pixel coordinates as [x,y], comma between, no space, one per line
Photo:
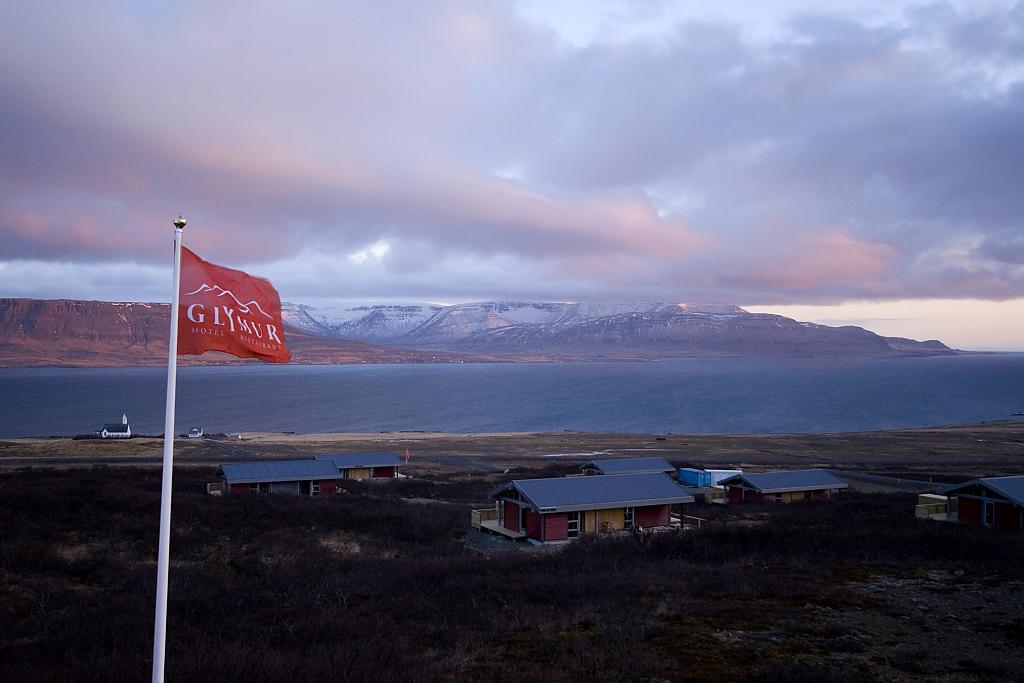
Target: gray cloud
[1008,249]
[836,158]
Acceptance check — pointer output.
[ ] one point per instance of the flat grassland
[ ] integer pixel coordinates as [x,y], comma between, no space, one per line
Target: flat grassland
[379,582]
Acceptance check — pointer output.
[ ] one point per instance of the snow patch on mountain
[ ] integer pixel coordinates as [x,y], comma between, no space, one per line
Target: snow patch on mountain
[365,321]
[431,324]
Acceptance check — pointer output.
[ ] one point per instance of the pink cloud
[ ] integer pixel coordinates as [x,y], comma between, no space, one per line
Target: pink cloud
[814,261]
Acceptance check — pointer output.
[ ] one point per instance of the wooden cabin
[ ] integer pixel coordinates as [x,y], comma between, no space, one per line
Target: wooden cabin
[996,502]
[364,465]
[628,466]
[558,509]
[294,477]
[785,486]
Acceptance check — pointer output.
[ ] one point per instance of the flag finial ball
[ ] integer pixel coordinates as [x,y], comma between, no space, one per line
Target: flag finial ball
[180,222]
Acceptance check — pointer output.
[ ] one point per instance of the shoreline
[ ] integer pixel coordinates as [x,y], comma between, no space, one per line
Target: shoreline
[951,452]
[1013,420]
[456,357]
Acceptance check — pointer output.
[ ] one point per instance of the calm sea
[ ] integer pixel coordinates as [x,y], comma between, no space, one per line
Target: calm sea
[691,395]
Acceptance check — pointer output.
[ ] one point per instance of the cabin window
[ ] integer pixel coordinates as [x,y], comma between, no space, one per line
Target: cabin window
[314,488]
[254,488]
[627,518]
[807,495]
[990,513]
[778,497]
[574,525]
[522,519]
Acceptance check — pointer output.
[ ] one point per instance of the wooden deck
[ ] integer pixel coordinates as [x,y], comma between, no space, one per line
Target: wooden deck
[935,508]
[687,521]
[487,520]
[493,526]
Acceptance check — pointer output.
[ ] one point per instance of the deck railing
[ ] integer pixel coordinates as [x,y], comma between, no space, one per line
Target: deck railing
[930,510]
[477,517]
[713,494]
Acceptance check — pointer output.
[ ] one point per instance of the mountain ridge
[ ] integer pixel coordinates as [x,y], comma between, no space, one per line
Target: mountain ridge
[67,332]
[648,329]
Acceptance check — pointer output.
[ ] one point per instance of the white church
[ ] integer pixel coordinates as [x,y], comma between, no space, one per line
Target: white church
[112,430]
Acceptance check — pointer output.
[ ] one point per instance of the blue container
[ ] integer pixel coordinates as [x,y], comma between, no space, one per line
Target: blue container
[689,476]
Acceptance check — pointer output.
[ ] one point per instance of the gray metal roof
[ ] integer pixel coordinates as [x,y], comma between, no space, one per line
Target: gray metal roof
[116,427]
[787,480]
[565,494]
[277,470]
[344,461]
[631,465]
[1011,488]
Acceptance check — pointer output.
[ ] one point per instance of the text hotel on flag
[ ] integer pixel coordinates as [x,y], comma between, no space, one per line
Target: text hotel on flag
[223,309]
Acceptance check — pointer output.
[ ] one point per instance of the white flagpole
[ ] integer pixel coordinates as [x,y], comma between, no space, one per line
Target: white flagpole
[163,556]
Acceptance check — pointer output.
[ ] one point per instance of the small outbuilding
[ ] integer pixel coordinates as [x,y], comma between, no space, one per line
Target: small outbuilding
[295,477]
[195,433]
[113,430]
[557,509]
[784,486]
[364,465]
[996,502]
[691,476]
[628,466]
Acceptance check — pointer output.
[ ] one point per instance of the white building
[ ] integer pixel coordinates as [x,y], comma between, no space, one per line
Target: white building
[112,430]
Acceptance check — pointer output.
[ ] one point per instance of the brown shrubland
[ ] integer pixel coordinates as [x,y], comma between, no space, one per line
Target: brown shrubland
[374,584]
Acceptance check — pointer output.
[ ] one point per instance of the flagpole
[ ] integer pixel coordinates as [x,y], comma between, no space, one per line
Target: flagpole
[163,555]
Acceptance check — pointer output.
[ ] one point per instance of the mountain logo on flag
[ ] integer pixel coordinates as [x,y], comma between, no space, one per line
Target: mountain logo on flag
[228,310]
[242,307]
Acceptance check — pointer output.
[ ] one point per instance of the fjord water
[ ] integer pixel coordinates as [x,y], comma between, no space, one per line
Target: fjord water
[684,395]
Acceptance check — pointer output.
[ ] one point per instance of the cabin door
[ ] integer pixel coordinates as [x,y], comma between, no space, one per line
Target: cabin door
[574,525]
[522,519]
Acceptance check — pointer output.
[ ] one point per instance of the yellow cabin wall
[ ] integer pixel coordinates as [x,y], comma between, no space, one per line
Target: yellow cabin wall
[358,473]
[615,517]
[789,496]
[593,520]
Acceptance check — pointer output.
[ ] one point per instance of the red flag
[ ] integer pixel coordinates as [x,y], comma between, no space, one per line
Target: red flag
[223,309]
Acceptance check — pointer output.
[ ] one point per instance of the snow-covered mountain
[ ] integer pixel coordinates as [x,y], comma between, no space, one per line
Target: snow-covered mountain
[462,321]
[531,328]
[423,323]
[367,322]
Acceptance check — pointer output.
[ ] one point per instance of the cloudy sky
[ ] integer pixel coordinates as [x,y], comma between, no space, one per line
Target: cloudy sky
[848,165]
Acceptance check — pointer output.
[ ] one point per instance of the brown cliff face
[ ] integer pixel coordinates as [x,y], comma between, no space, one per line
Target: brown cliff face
[66,332]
